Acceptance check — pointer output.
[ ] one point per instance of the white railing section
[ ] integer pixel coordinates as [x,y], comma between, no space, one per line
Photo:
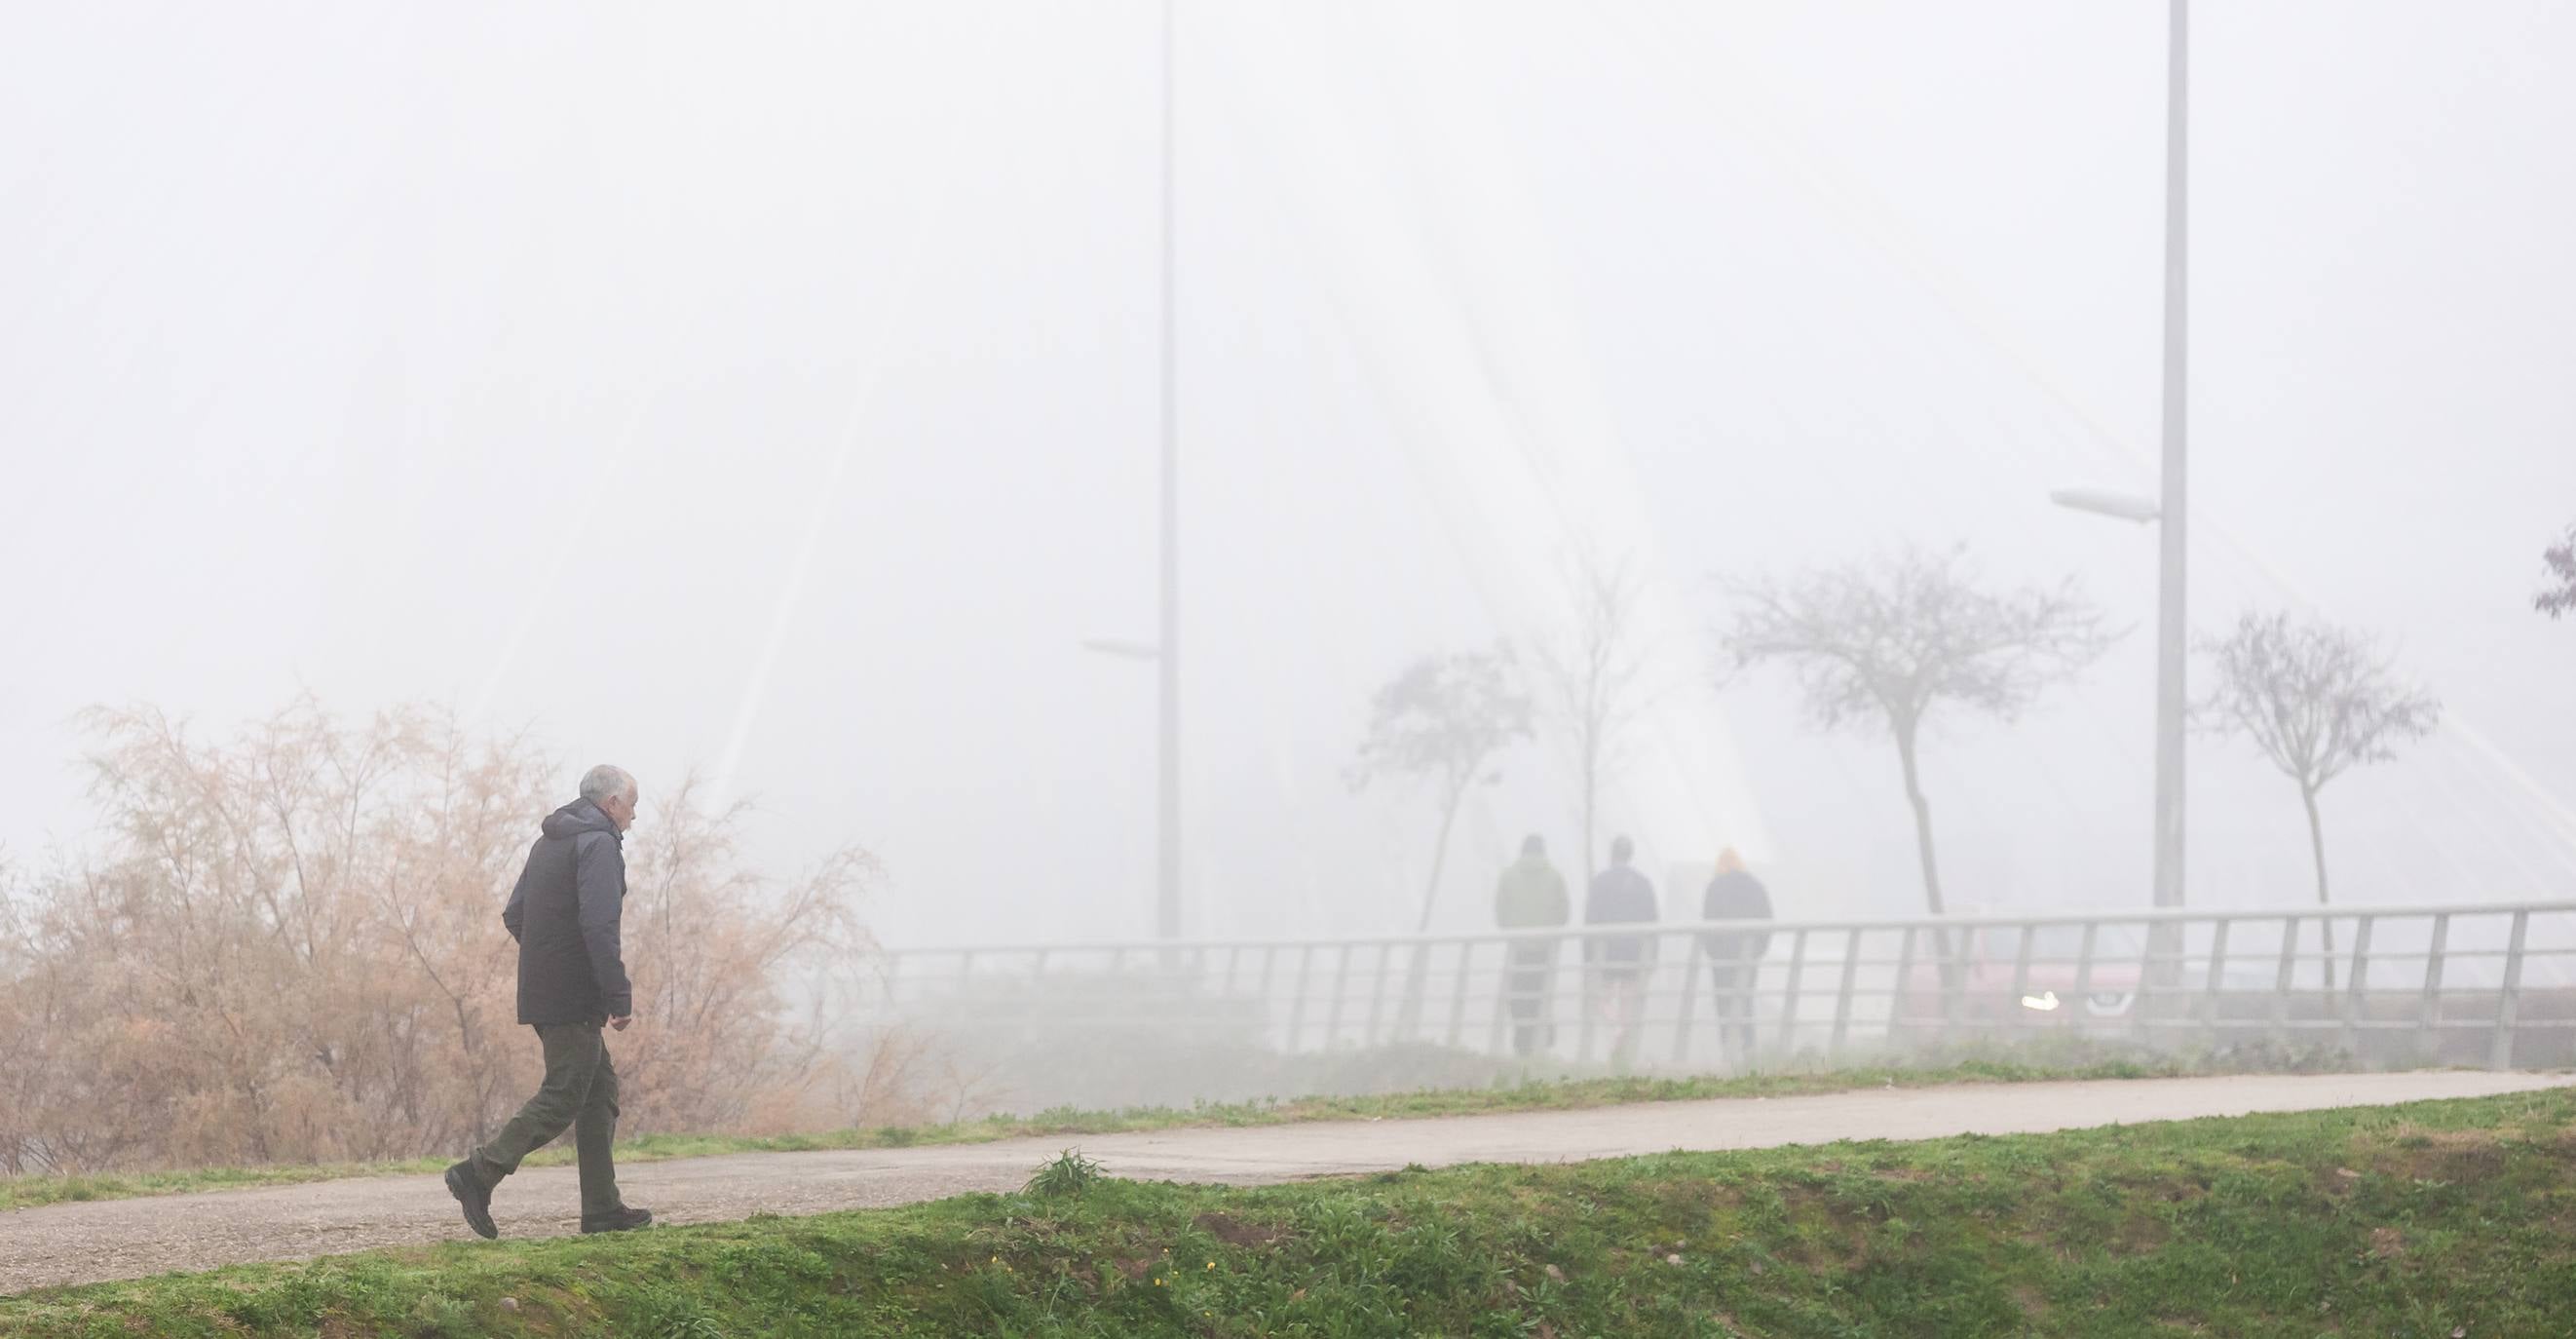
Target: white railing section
[2484,983]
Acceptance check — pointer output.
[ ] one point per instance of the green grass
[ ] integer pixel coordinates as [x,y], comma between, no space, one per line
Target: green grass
[1964,1067]
[1069,1174]
[2422,1220]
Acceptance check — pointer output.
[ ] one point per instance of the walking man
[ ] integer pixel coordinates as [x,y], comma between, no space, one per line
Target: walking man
[572,984]
[1530,895]
[1735,956]
[1620,896]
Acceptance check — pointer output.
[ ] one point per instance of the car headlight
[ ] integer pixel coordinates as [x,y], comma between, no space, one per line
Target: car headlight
[2108,1003]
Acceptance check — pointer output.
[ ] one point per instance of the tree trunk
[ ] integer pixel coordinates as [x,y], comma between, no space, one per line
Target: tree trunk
[1923,850]
[1440,851]
[1409,1013]
[1922,819]
[2317,848]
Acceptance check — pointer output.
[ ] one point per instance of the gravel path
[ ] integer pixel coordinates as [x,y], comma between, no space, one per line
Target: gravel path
[75,1243]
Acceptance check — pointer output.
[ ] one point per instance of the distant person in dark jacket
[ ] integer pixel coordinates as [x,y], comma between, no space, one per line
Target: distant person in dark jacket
[572,984]
[1530,895]
[1619,963]
[1735,956]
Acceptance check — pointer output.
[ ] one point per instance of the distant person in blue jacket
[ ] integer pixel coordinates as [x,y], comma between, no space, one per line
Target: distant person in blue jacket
[1618,963]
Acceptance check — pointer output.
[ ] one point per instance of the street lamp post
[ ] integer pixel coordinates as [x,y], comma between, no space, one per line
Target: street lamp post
[1165,653]
[2170,542]
[2171,625]
[1167,863]
[1167,898]
[2170,653]
[2172,511]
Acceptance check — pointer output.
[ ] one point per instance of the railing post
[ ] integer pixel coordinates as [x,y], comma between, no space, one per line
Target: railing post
[1582,997]
[2509,1001]
[1458,993]
[1297,1003]
[1341,987]
[2021,978]
[1650,974]
[2074,1008]
[2356,993]
[1951,943]
[1187,982]
[1690,993]
[2140,1030]
[1843,993]
[1032,1002]
[1377,996]
[2431,1010]
[2282,980]
[1904,982]
[1502,998]
[1261,987]
[2217,977]
[1557,987]
[1788,1001]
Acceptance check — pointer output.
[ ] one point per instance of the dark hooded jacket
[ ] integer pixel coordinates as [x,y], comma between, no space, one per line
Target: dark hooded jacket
[564,915]
[1735,896]
[1620,896]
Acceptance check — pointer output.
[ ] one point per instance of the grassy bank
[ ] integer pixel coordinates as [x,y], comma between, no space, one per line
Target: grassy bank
[28,1191]
[2433,1219]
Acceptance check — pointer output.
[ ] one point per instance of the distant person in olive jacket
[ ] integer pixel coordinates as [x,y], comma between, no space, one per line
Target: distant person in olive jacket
[1531,895]
[1735,956]
[572,984]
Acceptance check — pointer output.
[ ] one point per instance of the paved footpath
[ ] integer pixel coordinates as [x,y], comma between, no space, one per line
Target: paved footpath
[74,1243]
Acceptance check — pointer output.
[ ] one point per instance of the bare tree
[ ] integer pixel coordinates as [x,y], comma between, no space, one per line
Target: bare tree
[1443,719]
[972,1083]
[1889,642]
[287,946]
[711,937]
[2318,701]
[1596,681]
[2559,595]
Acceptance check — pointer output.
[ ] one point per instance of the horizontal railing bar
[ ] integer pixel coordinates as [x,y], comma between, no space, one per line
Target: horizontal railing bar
[2141,916]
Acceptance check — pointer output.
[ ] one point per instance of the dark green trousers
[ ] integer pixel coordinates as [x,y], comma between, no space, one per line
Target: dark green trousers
[580,1091]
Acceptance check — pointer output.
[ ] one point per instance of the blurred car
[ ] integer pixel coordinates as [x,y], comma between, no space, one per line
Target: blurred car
[1995,991]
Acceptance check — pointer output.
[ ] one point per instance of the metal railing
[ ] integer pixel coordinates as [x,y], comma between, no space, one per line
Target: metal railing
[2484,983]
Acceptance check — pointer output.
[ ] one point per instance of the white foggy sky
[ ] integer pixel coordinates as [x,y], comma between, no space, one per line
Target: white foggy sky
[500,355]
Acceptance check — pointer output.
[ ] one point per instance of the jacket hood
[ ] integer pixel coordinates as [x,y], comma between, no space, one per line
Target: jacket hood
[579,817]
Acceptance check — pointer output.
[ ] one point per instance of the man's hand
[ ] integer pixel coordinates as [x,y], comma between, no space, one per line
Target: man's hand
[619,1023]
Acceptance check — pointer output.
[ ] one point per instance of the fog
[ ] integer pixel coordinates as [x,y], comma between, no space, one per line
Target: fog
[774,390]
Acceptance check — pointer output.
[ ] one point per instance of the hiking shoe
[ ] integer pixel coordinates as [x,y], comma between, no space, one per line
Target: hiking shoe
[470,1191]
[624,1220]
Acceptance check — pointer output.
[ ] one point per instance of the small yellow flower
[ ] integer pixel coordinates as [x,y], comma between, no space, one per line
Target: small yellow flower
[1211,1264]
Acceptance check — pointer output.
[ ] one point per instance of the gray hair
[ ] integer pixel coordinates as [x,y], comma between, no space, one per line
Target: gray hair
[603,781]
